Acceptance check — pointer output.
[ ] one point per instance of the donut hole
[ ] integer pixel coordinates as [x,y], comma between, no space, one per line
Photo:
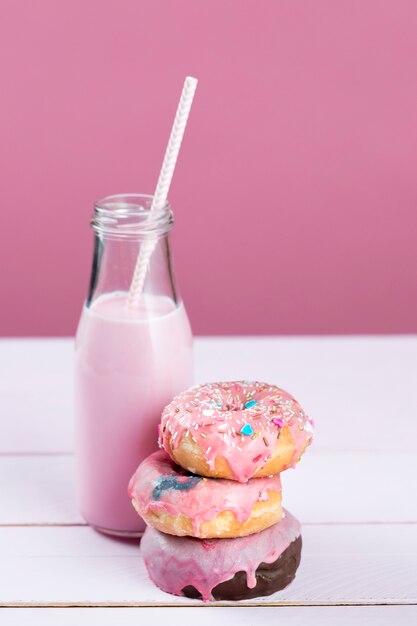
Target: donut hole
[225,401]
[234,398]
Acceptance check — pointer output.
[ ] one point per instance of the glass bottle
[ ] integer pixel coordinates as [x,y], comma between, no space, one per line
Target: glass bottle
[129,361]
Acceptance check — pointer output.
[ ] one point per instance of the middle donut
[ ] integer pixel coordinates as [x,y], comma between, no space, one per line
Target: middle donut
[177,502]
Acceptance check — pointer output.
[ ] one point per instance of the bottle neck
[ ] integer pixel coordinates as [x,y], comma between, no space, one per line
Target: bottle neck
[122,226]
[131,216]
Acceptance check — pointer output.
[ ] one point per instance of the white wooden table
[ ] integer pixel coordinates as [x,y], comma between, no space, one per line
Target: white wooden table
[354,491]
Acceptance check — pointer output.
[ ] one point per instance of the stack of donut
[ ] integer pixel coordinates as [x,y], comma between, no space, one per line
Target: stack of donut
[211,497]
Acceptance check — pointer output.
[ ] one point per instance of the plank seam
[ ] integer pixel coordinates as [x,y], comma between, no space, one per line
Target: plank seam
[208,604]
[85,525]
[317,451]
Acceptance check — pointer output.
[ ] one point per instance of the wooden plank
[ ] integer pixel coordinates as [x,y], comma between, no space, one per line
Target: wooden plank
[206,616]
[38,489]
[342,564]
[352,487]
[355,388]
[36,403]
[331,487]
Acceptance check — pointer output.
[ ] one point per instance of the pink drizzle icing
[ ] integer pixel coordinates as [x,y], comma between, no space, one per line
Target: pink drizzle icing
[214,415]
[175,562]
[204,501]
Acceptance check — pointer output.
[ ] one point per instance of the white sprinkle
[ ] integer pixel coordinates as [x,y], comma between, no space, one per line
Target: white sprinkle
[208,412]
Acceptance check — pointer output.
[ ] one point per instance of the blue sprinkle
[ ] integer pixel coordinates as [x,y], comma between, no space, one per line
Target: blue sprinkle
[250,404]
[247,430]
[171,482]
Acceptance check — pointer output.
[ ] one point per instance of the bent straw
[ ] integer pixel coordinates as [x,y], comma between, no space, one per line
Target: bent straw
[162,187]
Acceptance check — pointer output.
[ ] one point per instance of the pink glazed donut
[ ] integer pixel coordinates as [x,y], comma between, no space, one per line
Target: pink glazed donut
[224,569]
[179,503]
[235,430]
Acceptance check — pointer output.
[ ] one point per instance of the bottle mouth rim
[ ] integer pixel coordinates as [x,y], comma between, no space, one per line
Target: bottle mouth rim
[130,215]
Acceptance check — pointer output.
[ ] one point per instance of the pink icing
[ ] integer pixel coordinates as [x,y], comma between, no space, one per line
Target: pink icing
[175,562]
[203,501]
[214,414]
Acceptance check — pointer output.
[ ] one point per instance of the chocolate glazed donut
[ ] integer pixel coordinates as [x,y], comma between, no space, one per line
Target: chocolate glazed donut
[224,569]
[270,577]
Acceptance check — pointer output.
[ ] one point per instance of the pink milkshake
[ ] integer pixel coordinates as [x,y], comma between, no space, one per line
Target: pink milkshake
[129,363]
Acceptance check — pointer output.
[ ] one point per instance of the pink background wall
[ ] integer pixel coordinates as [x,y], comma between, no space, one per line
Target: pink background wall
[296,190]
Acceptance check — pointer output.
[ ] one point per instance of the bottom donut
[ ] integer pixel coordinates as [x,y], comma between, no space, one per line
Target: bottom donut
[224,569]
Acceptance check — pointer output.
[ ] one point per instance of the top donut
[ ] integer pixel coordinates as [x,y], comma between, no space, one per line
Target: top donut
[235,430]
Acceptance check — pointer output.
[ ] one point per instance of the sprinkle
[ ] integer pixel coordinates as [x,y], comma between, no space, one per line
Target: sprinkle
[265,441]
[177,410]
[208,412]
[300,427]
[250,404]
[257,416]
[189,410]
[254,435]
[203,435]
[256,459]
[278,422]
[246,429]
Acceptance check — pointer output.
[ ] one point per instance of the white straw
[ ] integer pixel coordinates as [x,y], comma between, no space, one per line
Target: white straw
[162,188]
